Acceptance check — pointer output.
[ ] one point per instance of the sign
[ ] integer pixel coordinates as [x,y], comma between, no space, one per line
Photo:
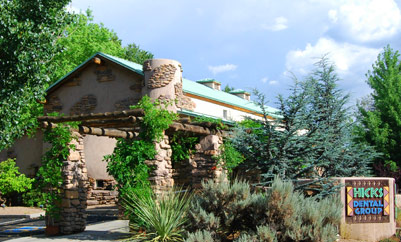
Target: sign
[367,201]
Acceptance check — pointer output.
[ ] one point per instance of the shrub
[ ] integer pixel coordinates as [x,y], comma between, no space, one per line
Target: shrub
[232,212]
[162,215]
[11,180]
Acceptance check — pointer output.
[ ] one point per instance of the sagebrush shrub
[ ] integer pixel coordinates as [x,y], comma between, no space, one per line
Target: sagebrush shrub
[231,212]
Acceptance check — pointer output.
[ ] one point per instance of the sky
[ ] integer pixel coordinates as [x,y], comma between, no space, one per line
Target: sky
[260,44]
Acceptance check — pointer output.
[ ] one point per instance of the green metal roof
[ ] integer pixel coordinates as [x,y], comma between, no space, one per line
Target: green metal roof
[125,63]
[224,97]
[238,91]
[207,80]
[188,87]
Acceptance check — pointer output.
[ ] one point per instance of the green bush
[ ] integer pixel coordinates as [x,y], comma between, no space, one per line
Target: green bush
[230,211]
[11,180]
[162,215]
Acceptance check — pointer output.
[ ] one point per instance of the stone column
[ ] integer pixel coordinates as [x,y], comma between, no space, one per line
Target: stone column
[163,79]
[74,189]
[204,162]
[162,176]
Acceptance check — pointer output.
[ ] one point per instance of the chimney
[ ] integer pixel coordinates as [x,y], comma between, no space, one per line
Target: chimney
[212,83]
[242,94]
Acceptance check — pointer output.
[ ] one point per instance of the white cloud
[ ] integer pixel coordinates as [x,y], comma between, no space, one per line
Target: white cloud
[352,63]
[367,20]
[222,68]
[264,79]
[273,82]
[280,23]
[344,55]
[333,15]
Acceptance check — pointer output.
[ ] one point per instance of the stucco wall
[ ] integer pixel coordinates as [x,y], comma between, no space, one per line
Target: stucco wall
[28,153]
[95,148]
[120,88]
[218,110]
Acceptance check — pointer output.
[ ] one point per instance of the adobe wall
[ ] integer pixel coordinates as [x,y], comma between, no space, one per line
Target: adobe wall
[98,88]
[217,110]
[96,147]
[28,152]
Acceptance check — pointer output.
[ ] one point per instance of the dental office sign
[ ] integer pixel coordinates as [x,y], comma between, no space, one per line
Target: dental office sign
[367,201]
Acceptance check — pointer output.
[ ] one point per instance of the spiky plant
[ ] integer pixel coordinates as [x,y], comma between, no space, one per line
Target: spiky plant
[163,215]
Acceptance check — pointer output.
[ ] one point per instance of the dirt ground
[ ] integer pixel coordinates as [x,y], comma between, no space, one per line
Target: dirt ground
[19,210]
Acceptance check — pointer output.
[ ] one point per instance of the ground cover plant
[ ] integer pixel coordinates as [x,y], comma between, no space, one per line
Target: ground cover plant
[226,211]
[12,181]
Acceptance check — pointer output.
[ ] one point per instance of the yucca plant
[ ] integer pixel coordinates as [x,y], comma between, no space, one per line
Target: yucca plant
[162,215]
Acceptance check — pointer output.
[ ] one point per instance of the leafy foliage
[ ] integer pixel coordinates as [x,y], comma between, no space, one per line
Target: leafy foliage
[229,158]
[157,118]
[28,33]
[218,123]
[11,180]
[182,146]
[380,124]
[83,38]
[313,139]
[232,212]
[162,215]
[127,164]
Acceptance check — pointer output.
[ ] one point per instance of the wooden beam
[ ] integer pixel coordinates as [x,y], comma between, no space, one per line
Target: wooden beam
[98,131]
[127,121]
[189,128]
[97,60]
[93,116]
[107,132]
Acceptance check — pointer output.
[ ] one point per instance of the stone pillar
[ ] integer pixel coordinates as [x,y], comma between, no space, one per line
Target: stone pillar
[162,176]
[204,162]
[74,189]
[162,78]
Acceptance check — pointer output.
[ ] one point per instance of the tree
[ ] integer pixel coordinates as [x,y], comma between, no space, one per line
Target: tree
[380,124]
[28,33]
[83,38]
[227,88]
[313,139]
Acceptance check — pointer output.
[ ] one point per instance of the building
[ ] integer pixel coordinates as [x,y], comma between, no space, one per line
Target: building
[105,83]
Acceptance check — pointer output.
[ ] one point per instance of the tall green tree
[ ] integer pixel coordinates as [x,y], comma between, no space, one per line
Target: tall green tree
[28,33]
[83,38]
[313,139]
[380,124]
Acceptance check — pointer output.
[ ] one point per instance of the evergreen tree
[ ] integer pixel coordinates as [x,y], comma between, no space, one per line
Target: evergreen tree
[380,124]
[313,139]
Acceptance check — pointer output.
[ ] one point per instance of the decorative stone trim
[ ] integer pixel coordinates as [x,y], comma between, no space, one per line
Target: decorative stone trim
[86,105]
[75,81]
[126,103]
[53,104]
[162,76]
[74,189]
[104,74]
[183,101]
[137,86]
